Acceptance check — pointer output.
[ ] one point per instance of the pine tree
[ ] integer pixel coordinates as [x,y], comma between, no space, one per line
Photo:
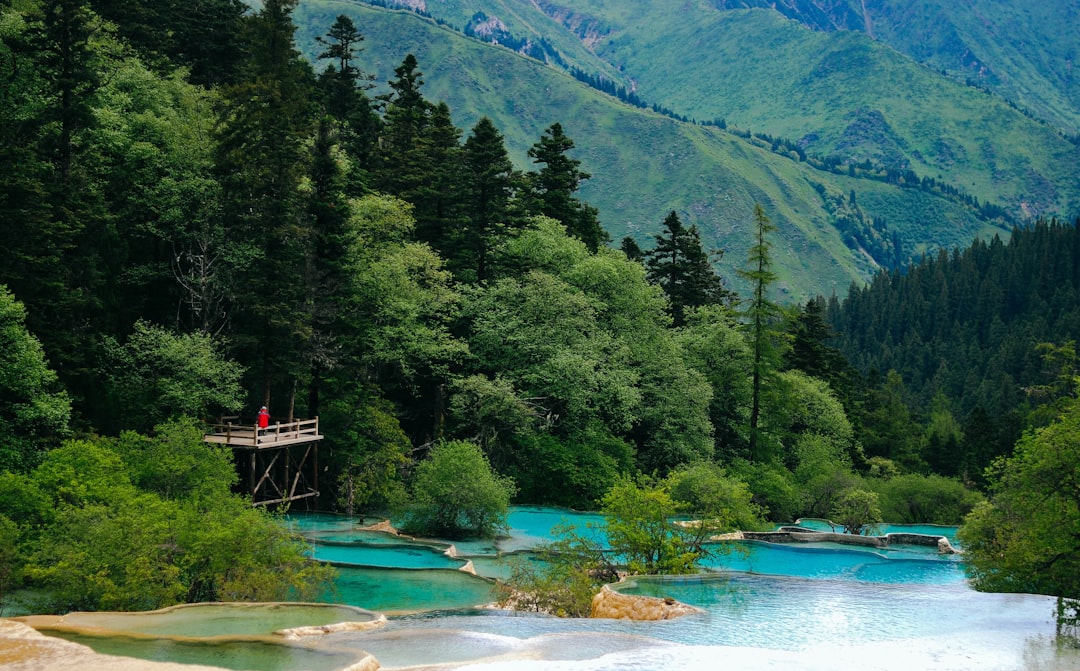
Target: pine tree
[401,160]
[489,190]
[680,265]
[762,317]
[341,45]
[266,126]
[204,36]
[329,262]
[69,234]
[810,335]
[342,87]
[439,199]
[554,185]
[632,249]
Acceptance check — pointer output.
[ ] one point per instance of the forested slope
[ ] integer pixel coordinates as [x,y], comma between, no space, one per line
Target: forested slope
[989,330]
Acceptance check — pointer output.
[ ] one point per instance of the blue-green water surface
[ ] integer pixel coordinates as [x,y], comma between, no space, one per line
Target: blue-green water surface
[399,555]
[837,562]
[813,606]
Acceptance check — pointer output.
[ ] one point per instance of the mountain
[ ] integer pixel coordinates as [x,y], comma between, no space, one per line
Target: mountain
[844,94]
[897,168]
[1012,47]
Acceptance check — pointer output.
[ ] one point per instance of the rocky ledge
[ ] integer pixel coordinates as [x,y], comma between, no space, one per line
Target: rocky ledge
[610,604]
[22,648]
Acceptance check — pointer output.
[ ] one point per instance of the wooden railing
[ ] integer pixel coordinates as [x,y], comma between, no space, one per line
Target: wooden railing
[250,435]
[299,429]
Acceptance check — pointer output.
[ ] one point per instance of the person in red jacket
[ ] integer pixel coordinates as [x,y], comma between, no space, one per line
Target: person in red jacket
[264,417]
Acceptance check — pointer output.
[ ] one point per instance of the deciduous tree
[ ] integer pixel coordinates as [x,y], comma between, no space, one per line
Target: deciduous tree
[1025,538]
[158,374]
[34,410]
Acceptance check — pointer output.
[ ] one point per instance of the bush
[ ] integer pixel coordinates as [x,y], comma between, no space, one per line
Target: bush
[643,533]
[562,580]
[857,510]
[722,502]
[456,494]
[924,499]
[140,523]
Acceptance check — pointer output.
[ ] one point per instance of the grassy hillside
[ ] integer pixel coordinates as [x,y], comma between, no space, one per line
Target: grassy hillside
[838,93]
[1016,48]
[644,164]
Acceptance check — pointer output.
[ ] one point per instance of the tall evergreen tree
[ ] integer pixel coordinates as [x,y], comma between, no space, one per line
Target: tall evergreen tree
[762,317]
[439,199]
[489,190]
[265,128]
[35,241]
[632,249]
[329,263]
[205,36]
[680,265]
[342,86]
[341,44]
[554,185]
[70,242]
[810,352]
[401,160]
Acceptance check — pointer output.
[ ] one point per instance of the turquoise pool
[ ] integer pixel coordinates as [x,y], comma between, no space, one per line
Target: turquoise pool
[838,562]
[815,606]
[531,526]
[403,591]
[385,555]
[882,529]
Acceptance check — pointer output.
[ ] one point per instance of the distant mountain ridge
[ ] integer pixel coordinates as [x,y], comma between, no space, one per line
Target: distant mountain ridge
[841,216]
[1012,47]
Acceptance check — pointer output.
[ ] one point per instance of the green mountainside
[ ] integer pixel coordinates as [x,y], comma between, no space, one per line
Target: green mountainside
[645,164]
[841,93]
[846,95]
[1013,47]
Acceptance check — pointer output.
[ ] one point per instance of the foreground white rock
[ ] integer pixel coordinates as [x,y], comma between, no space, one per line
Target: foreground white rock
[610,604]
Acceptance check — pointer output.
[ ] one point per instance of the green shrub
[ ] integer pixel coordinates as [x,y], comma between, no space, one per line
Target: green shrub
[456,494]
[924,499]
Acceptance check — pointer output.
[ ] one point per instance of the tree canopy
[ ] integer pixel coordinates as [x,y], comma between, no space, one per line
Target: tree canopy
[1025,537]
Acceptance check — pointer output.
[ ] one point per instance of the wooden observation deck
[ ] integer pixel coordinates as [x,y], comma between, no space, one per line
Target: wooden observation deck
[278,464]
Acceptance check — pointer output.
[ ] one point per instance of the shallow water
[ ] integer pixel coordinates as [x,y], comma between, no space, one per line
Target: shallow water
[403,590]
[221,619]
[771,606]
[385,555]
[240,655]
[752,622]
[905,564]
